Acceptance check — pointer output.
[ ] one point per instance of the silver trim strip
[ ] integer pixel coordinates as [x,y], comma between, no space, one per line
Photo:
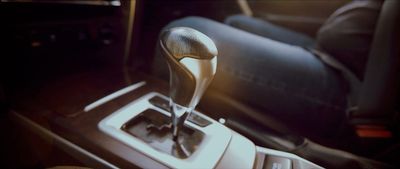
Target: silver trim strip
[113,96]
[244,6]
[49,134]
[128,40]
[100,3]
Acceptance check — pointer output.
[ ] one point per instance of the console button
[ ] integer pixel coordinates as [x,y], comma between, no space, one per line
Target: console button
[274,162]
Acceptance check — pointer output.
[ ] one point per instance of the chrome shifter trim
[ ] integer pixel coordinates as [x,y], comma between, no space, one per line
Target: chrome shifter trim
[113,96]
[207,155]
[203,72]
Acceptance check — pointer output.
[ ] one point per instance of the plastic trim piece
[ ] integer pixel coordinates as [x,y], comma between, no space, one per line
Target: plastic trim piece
[81,154]
[297,162]
[207,155]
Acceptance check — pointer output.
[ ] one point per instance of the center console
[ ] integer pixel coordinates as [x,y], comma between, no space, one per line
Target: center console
[204,141]
[208,143]
[172,133]
[137,125]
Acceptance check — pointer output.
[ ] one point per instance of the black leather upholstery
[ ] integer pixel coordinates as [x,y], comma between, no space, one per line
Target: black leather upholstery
[380,88]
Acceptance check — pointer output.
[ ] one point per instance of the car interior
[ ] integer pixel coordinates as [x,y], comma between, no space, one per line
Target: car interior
[117,84]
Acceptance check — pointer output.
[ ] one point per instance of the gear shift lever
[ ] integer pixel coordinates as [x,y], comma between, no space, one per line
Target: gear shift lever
[192,62]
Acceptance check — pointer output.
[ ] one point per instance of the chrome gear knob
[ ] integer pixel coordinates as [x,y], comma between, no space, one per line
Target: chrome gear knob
[192,62]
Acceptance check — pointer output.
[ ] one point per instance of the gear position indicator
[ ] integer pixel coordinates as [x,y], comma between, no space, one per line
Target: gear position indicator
[154,128]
